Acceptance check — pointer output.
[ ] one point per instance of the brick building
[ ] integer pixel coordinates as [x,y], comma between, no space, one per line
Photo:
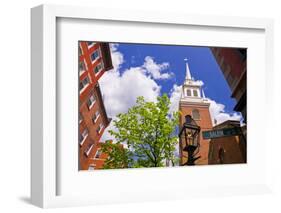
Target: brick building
[228,150]
[98,158]
[232,62]
[194,103]
[94,61]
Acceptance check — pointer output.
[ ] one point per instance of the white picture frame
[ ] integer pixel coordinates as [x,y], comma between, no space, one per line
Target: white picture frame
[45,178]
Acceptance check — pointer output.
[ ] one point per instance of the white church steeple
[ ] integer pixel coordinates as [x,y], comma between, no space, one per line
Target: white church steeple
[187,70]
[193,103]
[191,89]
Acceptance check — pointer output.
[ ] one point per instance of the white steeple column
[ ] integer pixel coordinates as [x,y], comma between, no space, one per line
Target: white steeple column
[203,94]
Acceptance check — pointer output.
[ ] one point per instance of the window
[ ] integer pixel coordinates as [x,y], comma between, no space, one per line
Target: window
[195,93]
[96,116]
[80,50]
[84,83]
[91,101]
[188,92]
[90,43]
[98,154]
[98,68]
[89,149]
[83,136]
[95,55]
[195,114]
[100,127]
[92,167]
[81,67]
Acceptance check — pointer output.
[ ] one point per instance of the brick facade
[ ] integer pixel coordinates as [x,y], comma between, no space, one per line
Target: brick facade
[228,150]
[94,61]
[233,64]
[205,123]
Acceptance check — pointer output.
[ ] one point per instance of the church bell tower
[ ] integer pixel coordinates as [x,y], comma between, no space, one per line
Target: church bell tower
[194,103]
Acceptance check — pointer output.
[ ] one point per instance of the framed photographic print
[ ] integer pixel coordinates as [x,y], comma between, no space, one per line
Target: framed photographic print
[137,106]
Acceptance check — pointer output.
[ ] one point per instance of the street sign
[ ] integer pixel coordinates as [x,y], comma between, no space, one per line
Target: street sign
[219,133]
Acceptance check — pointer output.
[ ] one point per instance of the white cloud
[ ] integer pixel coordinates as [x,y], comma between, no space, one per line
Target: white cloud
[120,90]
[199,82]
[154,69]
[175,96]
[117,57]
[218,113]
[106,135]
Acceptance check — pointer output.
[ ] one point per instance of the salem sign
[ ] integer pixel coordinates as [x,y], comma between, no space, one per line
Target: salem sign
[222,133]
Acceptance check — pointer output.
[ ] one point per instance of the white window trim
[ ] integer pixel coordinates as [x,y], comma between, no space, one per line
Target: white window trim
[89,150]
[196,96]
[86,65]
[97,57]
[92,166]
[95,158]
[91,45]
[190,92]
[102,67]
[84,70]
[80,118]
[84,139]
[81,72]
[86,85]
[93,103]
[96,118]
[101,128]
[96,74]
[84,88]
[81,49]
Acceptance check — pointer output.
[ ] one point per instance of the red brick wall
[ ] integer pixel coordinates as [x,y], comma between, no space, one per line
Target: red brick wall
[231,147]
[89,67]
[205,123]
[97,162]
[86,113]
[232,65]
[87,122]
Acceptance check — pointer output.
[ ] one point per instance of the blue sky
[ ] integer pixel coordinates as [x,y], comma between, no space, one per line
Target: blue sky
[201,63]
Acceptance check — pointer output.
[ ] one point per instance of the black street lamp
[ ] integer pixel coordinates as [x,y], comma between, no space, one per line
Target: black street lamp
[190,139]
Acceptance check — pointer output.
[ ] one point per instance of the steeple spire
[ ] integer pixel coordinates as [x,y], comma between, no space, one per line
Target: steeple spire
[188,74]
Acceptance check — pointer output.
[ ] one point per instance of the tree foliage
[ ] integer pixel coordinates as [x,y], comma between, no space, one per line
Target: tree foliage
[147,129]
[118,156]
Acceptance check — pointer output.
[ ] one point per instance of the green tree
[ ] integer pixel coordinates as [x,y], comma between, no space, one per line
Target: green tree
[118,156]
[148,130]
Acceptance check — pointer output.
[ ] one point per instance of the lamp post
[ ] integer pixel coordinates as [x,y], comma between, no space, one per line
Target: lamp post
[189,136]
